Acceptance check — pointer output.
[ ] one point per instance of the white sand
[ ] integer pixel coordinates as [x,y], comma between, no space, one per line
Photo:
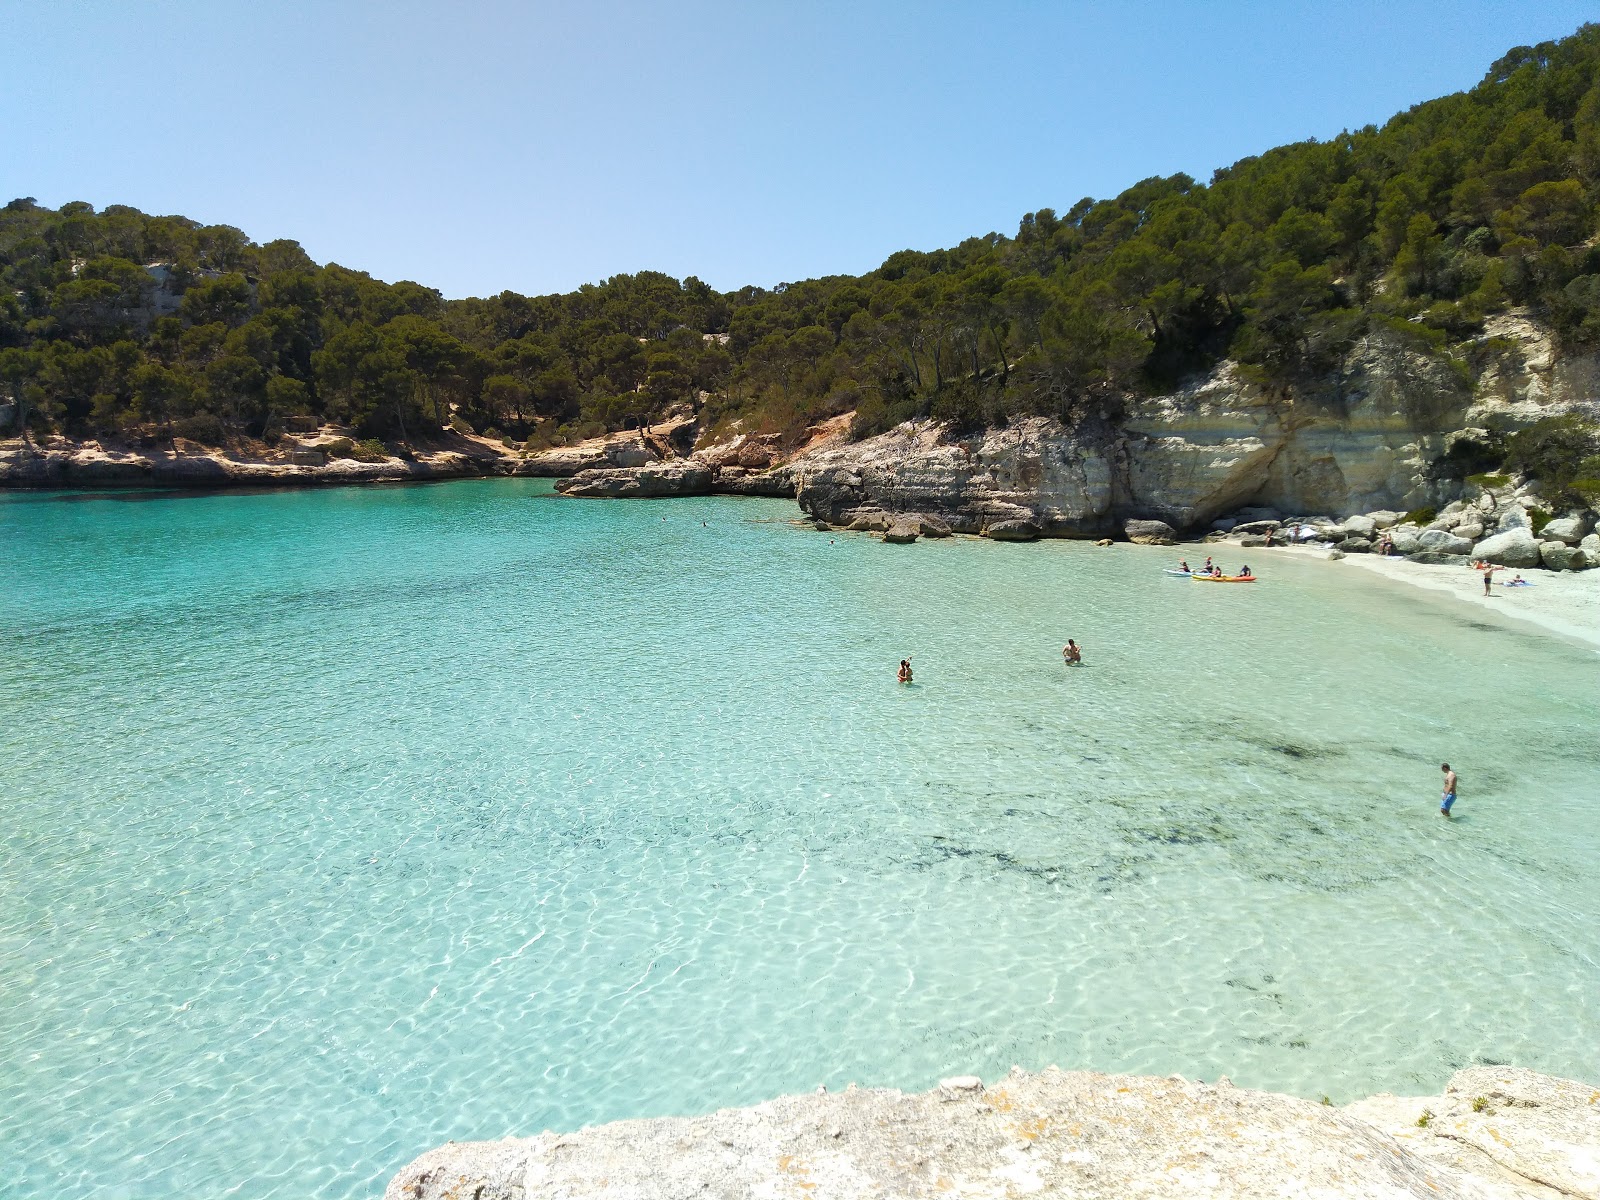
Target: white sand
[1561,602]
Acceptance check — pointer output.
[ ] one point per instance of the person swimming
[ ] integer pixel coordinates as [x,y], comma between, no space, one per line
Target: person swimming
[903,675]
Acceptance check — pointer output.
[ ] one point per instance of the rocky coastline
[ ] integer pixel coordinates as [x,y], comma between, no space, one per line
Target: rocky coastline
[1356,452]
[1495,1133]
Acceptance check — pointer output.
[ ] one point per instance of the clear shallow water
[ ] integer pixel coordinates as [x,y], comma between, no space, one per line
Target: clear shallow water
[340,823]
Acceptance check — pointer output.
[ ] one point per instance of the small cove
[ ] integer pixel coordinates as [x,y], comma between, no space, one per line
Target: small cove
[340,823]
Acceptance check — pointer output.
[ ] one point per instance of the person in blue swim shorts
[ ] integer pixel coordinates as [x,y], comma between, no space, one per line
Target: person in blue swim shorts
[1449,796]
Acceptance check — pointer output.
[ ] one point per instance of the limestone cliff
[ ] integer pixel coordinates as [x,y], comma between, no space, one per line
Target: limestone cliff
[1362,437]
[1497,1133]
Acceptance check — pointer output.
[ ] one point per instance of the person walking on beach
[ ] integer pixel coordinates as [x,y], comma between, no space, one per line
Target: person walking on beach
[1449,796]
[1488,577]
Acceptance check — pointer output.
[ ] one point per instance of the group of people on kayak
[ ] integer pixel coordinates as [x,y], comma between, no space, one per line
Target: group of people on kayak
[1211,568]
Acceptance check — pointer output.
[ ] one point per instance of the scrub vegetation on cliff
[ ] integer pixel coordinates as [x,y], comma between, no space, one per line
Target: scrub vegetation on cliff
[116,322]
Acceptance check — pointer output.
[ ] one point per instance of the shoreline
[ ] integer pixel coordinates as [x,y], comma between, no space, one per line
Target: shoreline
[1561,603]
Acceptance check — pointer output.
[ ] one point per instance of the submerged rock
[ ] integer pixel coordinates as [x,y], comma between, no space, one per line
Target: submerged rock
[1495,1134]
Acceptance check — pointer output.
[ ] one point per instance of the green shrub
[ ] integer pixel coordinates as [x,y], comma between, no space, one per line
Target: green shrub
[203,428]
[1489,481]
[1555,451]
[1425,1119]
[459,424]
[493,434]
[1538,518]
[371,450]
[1480,1103]
[1423,516]
[339,447]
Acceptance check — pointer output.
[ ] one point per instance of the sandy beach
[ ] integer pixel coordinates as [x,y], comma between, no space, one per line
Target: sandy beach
[1562,602]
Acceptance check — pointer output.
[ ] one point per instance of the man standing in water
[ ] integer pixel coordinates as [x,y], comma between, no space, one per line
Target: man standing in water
[1070,653]
[1449,796]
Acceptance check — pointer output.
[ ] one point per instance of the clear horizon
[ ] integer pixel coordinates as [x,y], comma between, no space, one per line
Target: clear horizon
[537,149]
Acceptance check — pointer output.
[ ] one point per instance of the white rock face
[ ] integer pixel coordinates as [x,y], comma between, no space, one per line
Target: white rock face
[1364,438]
[1496,1134]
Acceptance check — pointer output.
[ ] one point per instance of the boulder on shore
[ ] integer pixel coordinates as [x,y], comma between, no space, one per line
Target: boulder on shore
[1569,530]
[1405,540]
[1356,545]
[1256,527]
[1558,556]
[1149,533]
[901,533]
[1444,542]
[1359,526]
[1512,516]
[1012,531]
[1438,558]
[1385,518]
[1515,547]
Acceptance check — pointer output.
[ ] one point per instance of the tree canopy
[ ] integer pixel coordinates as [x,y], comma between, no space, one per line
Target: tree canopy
[118,321]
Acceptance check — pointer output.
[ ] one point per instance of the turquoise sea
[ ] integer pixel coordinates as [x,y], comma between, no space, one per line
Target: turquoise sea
[340,823]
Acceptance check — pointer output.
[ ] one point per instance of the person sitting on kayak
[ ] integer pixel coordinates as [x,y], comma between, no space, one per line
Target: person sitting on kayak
[1244,571]
[1183,565]
[904,674]
[1210,570]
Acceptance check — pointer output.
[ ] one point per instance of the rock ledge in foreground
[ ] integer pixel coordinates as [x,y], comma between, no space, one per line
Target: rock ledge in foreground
[1496,1134]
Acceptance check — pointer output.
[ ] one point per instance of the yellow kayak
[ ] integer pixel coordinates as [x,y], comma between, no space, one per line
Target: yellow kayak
[1224,578]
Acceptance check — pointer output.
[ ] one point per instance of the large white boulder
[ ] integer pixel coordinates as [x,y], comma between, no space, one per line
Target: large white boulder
[1443,542]
[1564,529]
[1516,547]
[1512,516]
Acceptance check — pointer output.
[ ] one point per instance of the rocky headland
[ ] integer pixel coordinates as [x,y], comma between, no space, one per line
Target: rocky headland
[1495,1133]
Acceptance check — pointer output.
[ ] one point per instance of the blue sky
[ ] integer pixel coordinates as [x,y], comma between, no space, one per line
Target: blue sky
[478,147]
